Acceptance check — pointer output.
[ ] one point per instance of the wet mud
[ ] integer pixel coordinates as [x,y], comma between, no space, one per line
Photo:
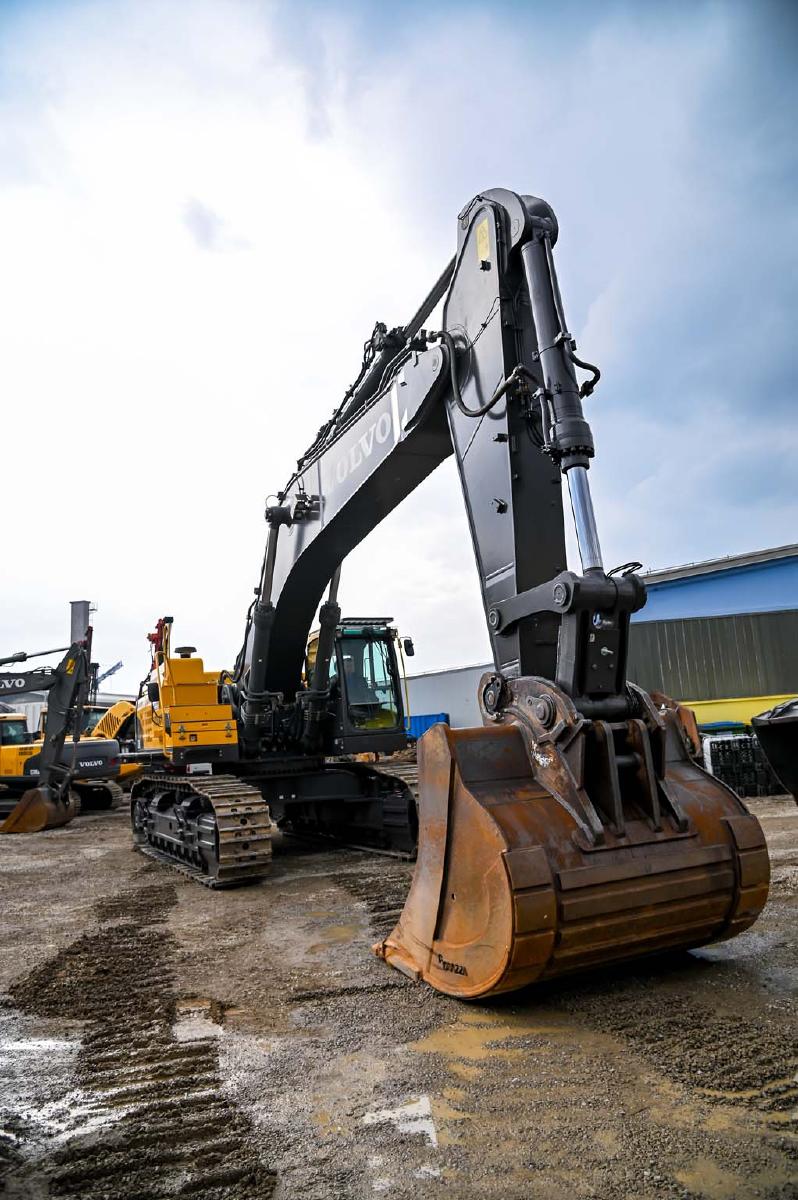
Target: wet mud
[138,1110]
[160,1040]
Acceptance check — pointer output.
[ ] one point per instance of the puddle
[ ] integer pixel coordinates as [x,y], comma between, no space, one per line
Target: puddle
[475,1037]
[195,1028]
[32,1047]
[197,1019]
[40,1106]
[706,1178]
[414,1117]
[335,935]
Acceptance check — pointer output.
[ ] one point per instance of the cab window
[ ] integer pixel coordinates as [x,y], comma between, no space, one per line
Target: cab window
[369,683]
[14,733]
[92,717]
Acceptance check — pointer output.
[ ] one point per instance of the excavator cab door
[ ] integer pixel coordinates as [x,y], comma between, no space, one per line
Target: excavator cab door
[365,691]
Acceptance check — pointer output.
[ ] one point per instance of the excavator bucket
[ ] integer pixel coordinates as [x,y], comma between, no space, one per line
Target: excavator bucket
[39,809]
[543,852]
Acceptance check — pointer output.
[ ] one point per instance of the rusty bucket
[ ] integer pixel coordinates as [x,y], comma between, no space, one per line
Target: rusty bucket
[39,809]
[534,860]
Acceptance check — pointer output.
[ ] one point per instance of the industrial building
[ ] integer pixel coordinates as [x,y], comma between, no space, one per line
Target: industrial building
[719,635]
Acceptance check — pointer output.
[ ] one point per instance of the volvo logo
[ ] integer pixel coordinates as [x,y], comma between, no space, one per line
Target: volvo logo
[12,685]
[378,432]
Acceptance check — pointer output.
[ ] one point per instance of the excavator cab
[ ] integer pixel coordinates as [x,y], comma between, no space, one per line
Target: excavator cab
[14,730]
[365,686]
[90,719]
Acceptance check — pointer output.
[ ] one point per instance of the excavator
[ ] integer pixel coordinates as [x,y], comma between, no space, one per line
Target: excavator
[41,781]
[102,722]
[116,722]
[572,829]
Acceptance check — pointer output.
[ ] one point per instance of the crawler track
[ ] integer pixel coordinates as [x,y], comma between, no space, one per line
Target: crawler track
[101,795]
[216,829]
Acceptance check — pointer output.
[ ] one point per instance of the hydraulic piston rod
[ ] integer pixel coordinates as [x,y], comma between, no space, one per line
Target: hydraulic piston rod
[584,519]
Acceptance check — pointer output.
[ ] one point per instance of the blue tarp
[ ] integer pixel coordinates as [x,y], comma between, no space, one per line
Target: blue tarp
[416,726]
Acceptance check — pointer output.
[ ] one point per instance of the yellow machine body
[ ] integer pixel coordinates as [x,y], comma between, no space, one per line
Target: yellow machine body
[17,745]
[118,722]
[179,712]
[113,722]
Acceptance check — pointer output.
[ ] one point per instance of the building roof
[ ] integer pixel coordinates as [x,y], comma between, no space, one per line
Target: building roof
[728,563]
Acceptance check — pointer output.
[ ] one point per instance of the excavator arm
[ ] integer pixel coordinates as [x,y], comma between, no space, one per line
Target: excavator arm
[497,387]
[574,828]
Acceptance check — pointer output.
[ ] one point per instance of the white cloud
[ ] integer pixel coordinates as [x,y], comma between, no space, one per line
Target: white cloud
[203,212]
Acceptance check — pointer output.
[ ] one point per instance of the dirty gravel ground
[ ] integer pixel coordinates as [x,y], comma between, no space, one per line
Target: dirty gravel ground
[157,1039]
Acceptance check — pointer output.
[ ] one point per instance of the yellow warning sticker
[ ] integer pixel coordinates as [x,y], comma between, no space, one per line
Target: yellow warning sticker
[483,241]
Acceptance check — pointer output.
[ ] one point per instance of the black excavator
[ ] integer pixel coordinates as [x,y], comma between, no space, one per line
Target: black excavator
[42,782]
[572,829]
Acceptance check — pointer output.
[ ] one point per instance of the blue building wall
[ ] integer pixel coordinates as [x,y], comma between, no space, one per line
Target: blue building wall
[761,587]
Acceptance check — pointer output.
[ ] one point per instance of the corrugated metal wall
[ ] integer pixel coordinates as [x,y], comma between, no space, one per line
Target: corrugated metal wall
[713,658]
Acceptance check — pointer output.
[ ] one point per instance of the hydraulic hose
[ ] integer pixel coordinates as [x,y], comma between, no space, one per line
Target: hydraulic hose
[514,377]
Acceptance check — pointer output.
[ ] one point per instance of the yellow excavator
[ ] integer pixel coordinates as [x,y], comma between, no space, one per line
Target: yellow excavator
[42,780]
[102,722]
[573,828]
[117,721]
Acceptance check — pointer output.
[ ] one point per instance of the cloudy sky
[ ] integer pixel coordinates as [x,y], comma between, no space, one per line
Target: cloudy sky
[204,206]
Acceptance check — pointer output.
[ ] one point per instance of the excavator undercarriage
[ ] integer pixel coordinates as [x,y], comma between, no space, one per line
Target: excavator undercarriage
[217,827]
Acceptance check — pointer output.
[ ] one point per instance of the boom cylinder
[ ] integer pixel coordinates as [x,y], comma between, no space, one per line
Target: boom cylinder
[567,433]
[319,690]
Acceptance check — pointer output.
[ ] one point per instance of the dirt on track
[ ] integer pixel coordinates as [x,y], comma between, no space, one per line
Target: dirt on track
[161,1040]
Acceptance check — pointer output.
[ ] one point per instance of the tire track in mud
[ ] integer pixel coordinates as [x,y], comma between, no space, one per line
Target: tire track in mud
[148,1117]
[382,893]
